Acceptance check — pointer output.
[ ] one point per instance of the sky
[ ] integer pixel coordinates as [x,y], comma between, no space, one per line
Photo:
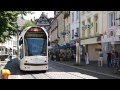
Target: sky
[37,14]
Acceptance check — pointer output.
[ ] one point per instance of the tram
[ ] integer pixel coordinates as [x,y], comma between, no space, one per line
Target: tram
[33,49]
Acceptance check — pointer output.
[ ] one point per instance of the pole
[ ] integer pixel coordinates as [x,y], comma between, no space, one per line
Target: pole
[78,45]
[17,43]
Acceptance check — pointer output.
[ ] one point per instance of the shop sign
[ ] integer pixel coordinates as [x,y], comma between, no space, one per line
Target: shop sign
[89,26]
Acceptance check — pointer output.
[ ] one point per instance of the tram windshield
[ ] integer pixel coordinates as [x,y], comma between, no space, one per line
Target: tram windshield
[36,46]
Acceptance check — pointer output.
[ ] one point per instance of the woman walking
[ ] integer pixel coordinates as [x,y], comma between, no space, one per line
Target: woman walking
[86,58]
[100,60]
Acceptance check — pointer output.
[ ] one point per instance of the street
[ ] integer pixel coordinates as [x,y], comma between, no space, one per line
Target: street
[56,71]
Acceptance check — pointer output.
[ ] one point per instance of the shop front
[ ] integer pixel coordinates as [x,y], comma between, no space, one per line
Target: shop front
[92,46]
[111,41]
[73,46]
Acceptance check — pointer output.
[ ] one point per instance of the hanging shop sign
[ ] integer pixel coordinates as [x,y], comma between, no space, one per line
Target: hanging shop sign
[89,26]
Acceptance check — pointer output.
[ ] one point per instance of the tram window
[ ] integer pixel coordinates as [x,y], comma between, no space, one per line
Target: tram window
[36,46]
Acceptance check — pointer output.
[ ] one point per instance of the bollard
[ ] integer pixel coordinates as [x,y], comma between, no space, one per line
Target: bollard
[5,73]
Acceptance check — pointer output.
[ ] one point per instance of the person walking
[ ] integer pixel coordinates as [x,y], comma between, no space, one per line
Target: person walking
[109,64]
[100,60]
[113,57]
[10,54]
[86,58]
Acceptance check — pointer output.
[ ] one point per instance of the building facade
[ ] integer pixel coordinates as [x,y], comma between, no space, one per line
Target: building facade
[66,33]
[53,33]
[91,32]
[111,35]
[74,30]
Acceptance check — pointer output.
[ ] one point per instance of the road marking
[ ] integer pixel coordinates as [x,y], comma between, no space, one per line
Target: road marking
[88,70]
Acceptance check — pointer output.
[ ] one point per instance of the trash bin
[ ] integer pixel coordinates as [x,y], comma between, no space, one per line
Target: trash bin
[5,73]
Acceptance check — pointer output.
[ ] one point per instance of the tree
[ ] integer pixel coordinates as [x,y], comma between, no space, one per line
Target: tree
[8,25]
[28,24]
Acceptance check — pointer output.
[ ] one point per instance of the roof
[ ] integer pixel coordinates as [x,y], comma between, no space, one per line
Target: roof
[25,30]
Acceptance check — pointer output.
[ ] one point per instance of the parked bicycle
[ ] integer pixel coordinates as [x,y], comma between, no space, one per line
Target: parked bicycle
[116,65]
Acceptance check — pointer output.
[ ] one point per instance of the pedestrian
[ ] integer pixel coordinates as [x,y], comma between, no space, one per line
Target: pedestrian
[116,54]
[10,54]
[86,58]
[61,57]
[72,56]
[109,59]
[57,56]
[100,60]
[113,57]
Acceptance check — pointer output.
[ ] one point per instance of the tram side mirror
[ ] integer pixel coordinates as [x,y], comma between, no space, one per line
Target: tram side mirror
[20,42]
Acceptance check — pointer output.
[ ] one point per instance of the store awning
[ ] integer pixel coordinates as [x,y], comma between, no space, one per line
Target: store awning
[64,46]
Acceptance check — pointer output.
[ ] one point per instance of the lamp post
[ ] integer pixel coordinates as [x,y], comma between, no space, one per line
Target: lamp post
[78,44]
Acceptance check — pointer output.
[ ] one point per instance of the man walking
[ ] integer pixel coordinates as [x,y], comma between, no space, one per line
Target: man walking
[109,59]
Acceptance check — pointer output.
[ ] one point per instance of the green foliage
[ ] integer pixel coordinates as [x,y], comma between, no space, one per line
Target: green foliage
[8,24]
[28,24]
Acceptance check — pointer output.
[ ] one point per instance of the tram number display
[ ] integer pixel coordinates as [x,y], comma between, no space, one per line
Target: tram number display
[35,35]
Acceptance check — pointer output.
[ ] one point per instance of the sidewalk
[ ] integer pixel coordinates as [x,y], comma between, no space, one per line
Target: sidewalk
[92,67]
[3,63]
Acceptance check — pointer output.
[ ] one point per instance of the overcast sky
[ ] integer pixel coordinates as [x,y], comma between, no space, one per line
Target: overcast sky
[37,14]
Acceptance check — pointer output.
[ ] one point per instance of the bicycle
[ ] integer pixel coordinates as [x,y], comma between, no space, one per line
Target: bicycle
[116,65]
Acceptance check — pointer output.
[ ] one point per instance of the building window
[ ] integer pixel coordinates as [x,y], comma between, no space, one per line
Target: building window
[83,29]
[72,16]
[72,34]
[89,28]
[96,23]
[77,16]
[111,19]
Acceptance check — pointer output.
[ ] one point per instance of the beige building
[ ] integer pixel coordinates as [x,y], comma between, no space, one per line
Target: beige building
[60,19]
[52,32]
[91,32]
[56,28]
[67,26]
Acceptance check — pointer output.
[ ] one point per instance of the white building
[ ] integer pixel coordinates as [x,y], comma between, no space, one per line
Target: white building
[10,44]
[13,42]
[74,29]
[91,32]
[111,35]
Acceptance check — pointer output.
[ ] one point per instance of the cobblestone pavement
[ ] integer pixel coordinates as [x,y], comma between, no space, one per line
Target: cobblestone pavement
[56,71]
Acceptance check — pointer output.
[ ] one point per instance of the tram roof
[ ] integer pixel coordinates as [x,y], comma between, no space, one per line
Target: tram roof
[27,28]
